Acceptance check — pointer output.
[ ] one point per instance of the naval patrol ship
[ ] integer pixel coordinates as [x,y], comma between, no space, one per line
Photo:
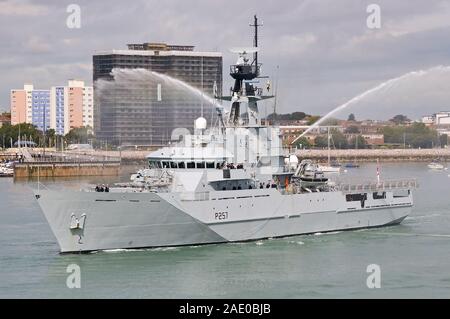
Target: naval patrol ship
[230,182]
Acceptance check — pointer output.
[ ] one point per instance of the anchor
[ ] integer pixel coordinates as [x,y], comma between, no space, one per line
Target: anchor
[77,223]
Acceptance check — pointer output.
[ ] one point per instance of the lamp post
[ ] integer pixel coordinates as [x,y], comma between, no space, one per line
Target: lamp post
[18,139]
[45,126]
[120,149]
[19,136]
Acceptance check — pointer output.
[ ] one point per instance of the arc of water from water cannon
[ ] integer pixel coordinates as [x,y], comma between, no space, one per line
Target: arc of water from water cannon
[209,99]
[119,73]
[375,89]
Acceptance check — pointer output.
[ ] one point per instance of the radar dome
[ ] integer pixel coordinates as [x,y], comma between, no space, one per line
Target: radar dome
[293,161]
[200,123]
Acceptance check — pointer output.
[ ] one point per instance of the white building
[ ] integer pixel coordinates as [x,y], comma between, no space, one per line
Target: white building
[22,105]
[442,118]
[61,108]
[28,88]
[88,106]
[71,106]
[428,119]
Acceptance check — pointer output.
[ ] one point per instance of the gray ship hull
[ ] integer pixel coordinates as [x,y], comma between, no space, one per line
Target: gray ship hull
[89,221]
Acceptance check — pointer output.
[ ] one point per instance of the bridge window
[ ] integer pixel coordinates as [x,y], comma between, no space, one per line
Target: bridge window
[201,165]
[190,164]
[379,195]
[154,164]
[181,165]
[220,165]
[165,164]
[355,197]
[173,165]
[209,164]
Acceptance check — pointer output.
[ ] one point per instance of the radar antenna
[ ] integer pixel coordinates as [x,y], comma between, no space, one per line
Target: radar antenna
[255,41]
[245,89]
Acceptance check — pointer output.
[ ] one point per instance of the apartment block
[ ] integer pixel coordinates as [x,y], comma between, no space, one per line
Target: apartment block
[40,111]
[61,108]
[142,110]
[21,105]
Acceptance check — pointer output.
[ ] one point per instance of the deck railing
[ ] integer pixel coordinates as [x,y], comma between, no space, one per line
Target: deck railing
[378,186]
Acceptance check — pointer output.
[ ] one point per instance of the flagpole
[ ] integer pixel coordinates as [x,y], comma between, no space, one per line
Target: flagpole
[378,171]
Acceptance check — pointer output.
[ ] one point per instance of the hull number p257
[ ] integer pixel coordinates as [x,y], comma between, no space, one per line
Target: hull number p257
[221,215]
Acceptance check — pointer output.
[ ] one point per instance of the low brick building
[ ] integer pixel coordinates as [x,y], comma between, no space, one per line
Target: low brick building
[5,118]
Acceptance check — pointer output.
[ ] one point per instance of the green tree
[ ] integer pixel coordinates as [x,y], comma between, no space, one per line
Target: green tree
[10,133]
[417,135]
[303,142]
[393,134]
[321,141]
[351,117]
[420,135]
[313,119]
[50,133]
[339,140]
[443,140]
[50,137]
[80,135]
[357,142]
[400,119]
[331,122]
[352,129]
[295,116]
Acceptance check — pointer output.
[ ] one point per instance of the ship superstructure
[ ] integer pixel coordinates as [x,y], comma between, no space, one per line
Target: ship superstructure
[229,182]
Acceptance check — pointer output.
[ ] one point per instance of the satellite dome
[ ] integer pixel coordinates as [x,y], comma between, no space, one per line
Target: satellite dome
[200,123]
[293,161]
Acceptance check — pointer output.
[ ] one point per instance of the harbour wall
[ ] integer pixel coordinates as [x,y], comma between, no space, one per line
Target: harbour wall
[361,155]
[371,155]
[8,156]
[27,170]
[357,155]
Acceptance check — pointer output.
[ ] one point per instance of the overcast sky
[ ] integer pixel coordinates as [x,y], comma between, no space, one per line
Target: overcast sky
[325,52]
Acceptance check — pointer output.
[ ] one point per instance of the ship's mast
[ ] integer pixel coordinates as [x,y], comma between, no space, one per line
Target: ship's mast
[244,89]
[255,40]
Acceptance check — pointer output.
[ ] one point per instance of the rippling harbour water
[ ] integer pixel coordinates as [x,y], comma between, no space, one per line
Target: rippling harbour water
[414,257]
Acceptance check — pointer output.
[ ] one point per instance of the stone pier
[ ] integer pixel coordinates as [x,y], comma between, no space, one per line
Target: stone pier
[371,155]
[61,169]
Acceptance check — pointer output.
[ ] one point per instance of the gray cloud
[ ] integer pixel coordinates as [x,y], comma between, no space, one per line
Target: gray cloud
[325,53]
